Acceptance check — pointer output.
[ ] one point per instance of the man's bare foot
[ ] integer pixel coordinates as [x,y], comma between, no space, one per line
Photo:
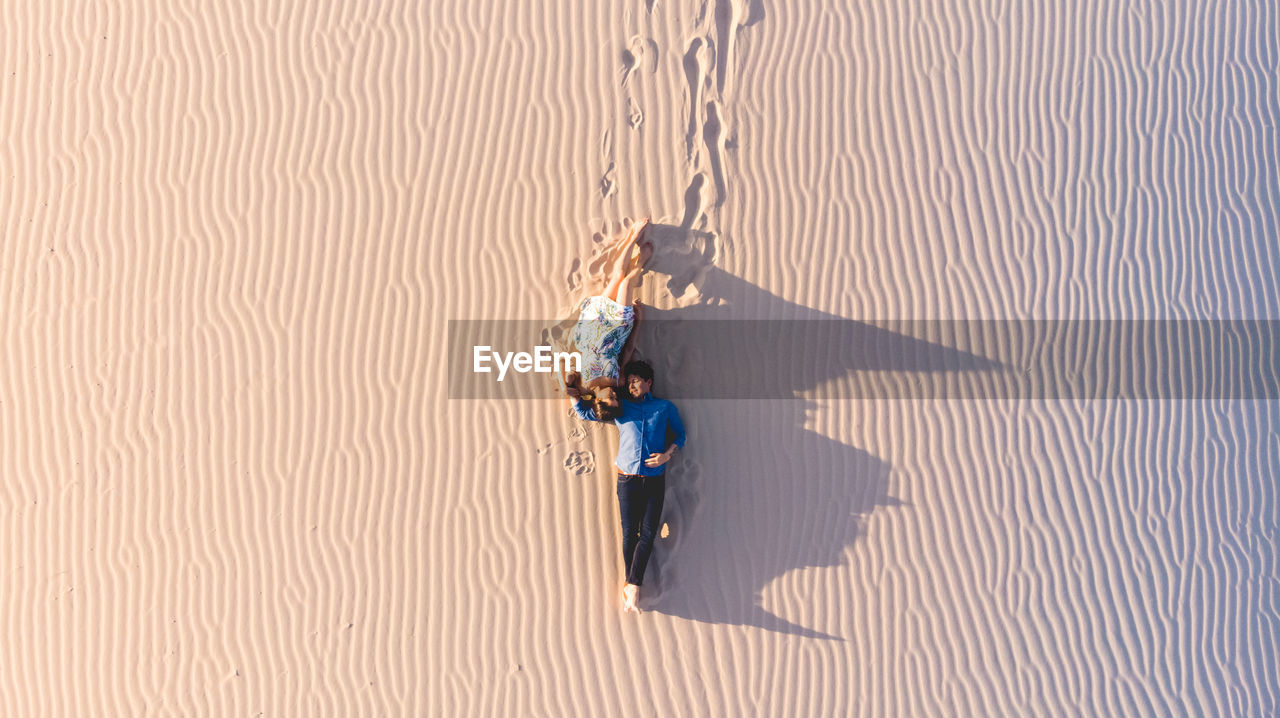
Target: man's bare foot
[629,595]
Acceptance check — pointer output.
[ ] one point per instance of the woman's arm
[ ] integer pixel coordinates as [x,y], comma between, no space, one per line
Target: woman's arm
[583,409]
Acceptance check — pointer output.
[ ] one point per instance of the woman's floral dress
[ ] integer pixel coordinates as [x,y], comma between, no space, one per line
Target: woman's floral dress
[602,328]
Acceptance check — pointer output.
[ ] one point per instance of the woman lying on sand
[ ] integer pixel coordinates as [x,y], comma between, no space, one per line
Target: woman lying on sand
[606,328]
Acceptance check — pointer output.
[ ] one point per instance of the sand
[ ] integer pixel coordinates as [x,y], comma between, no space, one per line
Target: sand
[233,481]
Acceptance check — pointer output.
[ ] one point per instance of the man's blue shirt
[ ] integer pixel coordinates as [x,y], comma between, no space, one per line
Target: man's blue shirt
[642,430]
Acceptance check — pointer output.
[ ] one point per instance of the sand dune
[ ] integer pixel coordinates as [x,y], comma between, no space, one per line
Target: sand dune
[233,480]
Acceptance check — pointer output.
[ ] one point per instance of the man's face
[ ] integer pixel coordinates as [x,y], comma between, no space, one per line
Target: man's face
[637,387]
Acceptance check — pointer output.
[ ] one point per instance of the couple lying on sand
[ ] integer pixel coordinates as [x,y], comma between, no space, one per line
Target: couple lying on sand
[613,388]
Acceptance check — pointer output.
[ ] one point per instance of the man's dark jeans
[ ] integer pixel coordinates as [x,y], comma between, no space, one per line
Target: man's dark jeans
[640,503]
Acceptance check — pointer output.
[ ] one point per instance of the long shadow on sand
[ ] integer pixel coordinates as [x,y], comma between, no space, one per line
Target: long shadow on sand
[780,496]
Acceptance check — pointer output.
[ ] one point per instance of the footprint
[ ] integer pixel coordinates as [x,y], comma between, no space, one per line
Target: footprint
[693,205]
[651,54]
[629,63]
[575,276]
[729,16]
[608,185]
[701,17]
[599,263]
[603,243]
[638,51]
[608,247]
[695,71]
[580,462]
[635,117]
[713,138]
[556,332]
[694,261]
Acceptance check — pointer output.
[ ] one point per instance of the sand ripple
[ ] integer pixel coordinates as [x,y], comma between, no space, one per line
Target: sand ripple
[232,482]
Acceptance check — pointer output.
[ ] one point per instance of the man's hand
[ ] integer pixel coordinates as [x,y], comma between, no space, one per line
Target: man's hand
[656,460]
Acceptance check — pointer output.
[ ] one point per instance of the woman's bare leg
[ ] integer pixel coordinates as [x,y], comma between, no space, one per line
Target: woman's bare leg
[644,251]
[643,256]
[611,291]
[627,267]
[623,292]
[623,261]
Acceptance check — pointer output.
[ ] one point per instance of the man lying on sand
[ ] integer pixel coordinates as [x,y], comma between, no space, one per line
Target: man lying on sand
[642,424]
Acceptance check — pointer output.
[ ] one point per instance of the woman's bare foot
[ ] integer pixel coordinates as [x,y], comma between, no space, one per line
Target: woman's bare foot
[625,250]
[641,259]
[636,233]
[629,595]
[643,255]
[632,276]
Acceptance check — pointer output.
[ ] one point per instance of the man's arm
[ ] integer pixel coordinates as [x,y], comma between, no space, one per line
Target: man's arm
[676,427]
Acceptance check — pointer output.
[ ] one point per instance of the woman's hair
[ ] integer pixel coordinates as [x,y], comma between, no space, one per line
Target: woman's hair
[605,403]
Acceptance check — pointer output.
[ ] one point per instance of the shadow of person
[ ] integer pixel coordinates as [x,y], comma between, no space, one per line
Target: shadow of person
[747,369]
[778,498]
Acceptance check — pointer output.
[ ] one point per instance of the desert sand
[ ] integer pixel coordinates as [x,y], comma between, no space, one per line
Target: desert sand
[233,481]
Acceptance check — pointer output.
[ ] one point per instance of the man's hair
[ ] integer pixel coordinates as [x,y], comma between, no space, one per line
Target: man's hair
[638,368]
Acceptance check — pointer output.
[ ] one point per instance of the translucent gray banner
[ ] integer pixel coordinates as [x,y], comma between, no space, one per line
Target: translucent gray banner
[844,359]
